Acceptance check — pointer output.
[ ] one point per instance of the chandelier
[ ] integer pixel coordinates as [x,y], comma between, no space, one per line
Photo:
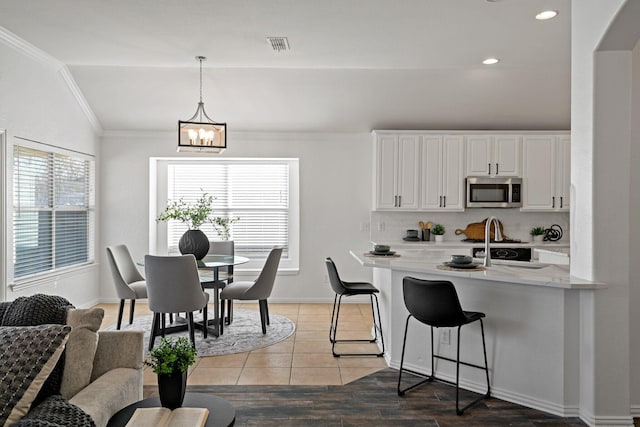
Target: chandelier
[200,133]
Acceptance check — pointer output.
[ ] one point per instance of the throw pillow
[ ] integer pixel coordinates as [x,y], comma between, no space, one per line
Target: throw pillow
[81,349]
[40,309]
[27,356]
[55,411]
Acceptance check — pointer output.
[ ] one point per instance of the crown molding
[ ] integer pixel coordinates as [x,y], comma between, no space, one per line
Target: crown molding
[31,51]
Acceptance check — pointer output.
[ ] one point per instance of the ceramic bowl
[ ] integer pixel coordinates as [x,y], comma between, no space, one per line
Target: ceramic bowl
[412,233]
[461,259]
[381,248]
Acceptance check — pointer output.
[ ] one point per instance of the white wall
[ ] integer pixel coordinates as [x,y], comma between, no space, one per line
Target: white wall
[634,247]
[37,104]
[335,199]
[601,221]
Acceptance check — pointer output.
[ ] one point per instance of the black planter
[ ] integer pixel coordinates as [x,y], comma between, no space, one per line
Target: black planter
[171,388]
[194,242]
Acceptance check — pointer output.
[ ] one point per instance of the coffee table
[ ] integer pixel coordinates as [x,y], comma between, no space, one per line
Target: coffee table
[221,412]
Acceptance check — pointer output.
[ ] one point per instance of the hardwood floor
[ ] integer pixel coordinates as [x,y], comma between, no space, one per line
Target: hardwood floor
[370,401]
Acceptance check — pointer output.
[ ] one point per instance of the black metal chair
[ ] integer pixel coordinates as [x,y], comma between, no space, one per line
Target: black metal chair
[348,289]
[435,303]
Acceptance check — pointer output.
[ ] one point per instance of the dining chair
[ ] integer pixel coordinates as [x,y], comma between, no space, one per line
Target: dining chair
[174,287]
[435,303]
[127,279]
[260,289]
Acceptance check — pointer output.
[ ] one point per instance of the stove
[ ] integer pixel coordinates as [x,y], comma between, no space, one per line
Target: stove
[492,241]
[511,254]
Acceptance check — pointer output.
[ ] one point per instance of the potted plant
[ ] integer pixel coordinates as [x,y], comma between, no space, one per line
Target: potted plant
[538,233]
[194,241]
[171,361]
[438,230]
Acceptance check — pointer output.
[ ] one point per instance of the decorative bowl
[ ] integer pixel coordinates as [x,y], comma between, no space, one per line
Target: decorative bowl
[461,259]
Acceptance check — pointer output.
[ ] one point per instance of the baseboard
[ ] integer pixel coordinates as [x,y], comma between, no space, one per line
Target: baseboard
[351,300]
[607,421]
[509,396]
[635,411]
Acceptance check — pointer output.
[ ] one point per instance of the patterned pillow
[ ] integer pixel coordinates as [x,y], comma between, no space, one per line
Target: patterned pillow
[55,411]
[27,356]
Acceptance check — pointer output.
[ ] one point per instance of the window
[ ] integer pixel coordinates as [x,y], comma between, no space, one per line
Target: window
[53,209]
[263,193]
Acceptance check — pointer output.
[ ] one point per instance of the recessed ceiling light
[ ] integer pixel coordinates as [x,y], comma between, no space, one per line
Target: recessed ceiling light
[490,61]
[547,14]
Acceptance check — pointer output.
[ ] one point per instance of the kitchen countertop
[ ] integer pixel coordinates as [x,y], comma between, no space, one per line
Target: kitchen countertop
[460,244]
[527,273]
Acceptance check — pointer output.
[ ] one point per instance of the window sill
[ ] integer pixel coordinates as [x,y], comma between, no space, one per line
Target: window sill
[53,276]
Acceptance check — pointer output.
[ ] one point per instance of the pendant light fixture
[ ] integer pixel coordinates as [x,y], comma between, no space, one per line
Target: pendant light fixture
[200,133]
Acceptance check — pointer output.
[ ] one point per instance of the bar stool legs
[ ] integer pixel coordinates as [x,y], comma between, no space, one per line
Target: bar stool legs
[458,362]
[377,328]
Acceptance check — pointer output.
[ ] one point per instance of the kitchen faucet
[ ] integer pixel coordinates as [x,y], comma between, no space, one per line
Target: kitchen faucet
[487,238]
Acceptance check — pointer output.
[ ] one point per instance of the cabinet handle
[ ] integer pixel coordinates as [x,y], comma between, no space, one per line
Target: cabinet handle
[561,202]
[399,201]
[553,202]
[440,204]
[497,168]
[489,164]
[444,201]
[395,201]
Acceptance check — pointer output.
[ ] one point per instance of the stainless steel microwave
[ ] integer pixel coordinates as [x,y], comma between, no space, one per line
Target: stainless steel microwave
[498,192]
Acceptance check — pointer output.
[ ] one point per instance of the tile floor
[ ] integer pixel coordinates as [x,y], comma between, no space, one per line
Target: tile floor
[303,359]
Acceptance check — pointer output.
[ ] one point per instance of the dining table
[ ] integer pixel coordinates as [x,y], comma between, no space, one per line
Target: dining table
[209,273]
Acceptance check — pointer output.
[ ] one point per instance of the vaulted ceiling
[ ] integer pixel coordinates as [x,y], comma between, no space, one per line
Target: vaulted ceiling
[353,65]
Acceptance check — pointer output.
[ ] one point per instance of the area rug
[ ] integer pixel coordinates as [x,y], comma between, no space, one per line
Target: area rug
[244,334]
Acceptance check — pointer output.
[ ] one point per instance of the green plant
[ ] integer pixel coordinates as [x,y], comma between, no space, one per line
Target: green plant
[194,215]
[222,226]
[172,356]
[537,231]
[438,229]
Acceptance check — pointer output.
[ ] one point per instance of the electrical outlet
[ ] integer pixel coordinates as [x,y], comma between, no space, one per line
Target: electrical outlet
[364,226]
[445,336]
[381,226]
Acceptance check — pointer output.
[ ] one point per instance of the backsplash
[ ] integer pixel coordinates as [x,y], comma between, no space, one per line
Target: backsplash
[391,226]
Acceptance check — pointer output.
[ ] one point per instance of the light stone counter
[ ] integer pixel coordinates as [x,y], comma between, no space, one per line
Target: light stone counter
[523,273]
[532,326]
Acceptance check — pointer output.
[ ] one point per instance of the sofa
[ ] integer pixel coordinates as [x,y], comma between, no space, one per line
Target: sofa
[76,375]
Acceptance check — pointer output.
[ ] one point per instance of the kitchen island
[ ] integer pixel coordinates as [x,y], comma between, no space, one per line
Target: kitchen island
[532,326]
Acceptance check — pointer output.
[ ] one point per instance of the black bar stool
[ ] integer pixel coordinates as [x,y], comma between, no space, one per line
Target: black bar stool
[435,303]
[348,289]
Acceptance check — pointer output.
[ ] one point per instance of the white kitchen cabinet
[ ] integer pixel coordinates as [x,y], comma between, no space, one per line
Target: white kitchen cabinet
[494,155]
[546,172]
[442,185]
[397,172]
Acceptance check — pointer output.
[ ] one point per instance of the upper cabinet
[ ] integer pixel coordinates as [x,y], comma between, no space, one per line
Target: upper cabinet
[397,171]
[442,185]
[546,172]
[494,155]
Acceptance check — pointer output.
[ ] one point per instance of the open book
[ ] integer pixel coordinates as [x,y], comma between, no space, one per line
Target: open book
[165,417]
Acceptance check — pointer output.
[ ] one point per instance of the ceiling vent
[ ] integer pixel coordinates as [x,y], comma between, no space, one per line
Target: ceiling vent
[278,43]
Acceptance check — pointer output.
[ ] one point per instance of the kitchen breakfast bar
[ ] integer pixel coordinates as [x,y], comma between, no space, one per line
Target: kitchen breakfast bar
[532,326]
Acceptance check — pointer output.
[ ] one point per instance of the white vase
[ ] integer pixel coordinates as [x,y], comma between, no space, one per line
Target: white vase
[439,238]
[538,238]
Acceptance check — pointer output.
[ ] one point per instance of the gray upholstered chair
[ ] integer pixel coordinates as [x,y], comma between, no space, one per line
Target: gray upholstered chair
[259,290]
[174,287]
[127,279]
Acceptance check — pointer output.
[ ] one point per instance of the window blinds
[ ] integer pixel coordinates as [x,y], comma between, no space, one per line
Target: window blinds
[256,191]
[53,211]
